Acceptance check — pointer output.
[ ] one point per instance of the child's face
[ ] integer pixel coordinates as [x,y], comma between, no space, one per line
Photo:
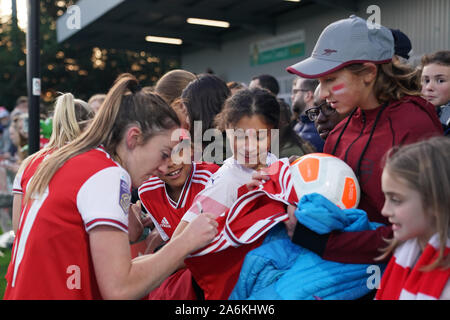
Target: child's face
[177,171]
[436,84]
[344,90]
[250,140]
[404,209]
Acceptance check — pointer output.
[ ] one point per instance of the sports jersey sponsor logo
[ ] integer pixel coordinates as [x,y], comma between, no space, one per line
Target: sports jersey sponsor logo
[165,224]
[124,196]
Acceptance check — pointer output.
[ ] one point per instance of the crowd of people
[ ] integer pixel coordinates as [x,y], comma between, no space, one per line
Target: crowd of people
[195,172]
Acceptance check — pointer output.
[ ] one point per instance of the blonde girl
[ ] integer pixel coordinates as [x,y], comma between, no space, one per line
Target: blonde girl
[71,116]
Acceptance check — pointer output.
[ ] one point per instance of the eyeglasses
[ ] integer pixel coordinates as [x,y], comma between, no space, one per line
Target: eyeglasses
[324,107]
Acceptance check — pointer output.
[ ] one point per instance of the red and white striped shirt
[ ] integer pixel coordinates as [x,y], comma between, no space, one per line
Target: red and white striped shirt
[222,189]
[165,212]
[242,228]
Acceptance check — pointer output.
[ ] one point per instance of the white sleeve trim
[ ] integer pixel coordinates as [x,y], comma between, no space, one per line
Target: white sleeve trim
[17,186]
[104,199]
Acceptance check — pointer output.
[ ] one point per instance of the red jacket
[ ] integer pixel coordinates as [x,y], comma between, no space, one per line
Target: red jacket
[362,140]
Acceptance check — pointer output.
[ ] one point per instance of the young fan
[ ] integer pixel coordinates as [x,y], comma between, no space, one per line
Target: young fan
[415,181]
[248,116]
[166,197]
[435,81]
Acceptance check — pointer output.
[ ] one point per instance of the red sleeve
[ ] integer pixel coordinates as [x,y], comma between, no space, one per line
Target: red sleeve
[357,247]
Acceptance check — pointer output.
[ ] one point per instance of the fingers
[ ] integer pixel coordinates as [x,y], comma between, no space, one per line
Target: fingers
[293,158]
[261,175]
[254,184]
[291,222]
[212,220]
[140,216]
[147,222]
[258,179]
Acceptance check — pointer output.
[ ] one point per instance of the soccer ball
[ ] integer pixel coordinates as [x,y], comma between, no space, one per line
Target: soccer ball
[327,175]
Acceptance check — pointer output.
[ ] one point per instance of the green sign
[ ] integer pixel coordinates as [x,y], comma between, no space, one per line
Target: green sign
[278,48]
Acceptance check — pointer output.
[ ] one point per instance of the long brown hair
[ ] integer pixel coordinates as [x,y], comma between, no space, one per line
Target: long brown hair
[125,105]
[172,84]
[394,80]
[424,166]
[438,57]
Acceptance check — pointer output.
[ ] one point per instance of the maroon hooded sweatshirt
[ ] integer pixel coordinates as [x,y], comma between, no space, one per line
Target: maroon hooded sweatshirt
[362,140]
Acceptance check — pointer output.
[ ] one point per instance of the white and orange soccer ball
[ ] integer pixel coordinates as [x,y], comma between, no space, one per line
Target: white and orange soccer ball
[327,175]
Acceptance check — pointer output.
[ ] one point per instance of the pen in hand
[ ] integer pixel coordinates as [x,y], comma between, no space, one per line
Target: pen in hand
[200,208]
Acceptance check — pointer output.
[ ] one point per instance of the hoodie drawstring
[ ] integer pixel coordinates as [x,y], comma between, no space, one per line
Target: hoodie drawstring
[358,166]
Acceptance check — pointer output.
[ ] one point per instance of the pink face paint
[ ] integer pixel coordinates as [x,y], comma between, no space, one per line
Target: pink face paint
[338,89]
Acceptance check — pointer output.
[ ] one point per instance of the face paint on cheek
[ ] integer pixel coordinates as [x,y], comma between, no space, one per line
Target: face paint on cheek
[339,89]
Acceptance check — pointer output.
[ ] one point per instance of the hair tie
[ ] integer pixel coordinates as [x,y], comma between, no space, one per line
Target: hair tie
[134,87]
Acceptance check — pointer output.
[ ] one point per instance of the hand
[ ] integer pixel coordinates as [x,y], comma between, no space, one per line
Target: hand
[153,241]
[258,179]
[137,221]
[292,159]
[291,222]
[200,231]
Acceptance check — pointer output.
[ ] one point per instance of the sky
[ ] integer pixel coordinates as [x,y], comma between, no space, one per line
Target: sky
[5,11]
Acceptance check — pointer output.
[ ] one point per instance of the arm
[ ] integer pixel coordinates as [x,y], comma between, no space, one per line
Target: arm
[17,201]
[344,247]
[119,277]
[214,199]
[181,226]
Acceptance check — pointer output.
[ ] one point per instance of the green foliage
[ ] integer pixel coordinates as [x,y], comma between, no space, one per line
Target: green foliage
[5,257]
[66,68]
[12,68]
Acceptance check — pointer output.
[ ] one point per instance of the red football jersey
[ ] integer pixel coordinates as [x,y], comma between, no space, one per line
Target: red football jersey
[166,213]
[51,253]
[241,229]
[22,178]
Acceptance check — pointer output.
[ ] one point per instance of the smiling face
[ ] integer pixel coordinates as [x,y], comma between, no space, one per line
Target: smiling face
[404,208]
[177,172]
[436,84]
[251,141]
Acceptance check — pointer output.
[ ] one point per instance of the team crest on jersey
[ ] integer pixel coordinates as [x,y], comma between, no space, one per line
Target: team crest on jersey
[124,196]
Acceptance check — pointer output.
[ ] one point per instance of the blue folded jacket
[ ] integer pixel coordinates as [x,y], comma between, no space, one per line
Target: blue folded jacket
[280,269]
